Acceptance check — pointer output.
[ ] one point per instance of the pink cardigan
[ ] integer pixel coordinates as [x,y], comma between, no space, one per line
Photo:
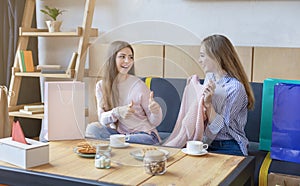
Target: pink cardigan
[191,117]
[132,89]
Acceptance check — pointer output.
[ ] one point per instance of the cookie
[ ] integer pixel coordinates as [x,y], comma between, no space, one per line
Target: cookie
[144,150]
[86,148]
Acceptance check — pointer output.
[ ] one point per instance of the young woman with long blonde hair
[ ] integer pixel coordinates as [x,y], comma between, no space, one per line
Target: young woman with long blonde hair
[125,105]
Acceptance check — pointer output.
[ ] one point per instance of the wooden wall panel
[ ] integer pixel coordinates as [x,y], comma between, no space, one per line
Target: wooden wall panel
[148,60]
[282,63]
[245,54]
[97,55]
[182,61]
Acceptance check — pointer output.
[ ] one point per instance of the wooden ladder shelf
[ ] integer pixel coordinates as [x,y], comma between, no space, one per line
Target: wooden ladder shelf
[83,32]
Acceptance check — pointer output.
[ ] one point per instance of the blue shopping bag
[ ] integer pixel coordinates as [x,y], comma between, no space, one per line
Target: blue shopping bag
[286,123]
[265,135]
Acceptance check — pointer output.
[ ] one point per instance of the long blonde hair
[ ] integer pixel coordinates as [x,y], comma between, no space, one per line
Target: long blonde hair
[220,48]
[110,72]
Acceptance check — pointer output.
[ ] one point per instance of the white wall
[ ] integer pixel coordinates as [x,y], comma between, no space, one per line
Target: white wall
[248,23]
[186,22]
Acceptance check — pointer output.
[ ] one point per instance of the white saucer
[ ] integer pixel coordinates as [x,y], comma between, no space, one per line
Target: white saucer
[83,155]
[203,152]
[120,146]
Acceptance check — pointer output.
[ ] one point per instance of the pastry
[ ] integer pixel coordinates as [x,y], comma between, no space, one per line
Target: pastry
[86,148]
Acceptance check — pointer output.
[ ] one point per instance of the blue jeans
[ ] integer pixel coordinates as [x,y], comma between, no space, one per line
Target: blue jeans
[225,147]
[97,131]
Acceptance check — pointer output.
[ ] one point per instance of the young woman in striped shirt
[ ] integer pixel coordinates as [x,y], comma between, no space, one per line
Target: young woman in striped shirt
[227,96]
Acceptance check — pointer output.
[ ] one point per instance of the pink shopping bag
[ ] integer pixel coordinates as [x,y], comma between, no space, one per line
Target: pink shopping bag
[64,116]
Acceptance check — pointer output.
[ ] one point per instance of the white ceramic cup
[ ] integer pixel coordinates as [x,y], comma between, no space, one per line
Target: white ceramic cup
[195,146]
[118,139]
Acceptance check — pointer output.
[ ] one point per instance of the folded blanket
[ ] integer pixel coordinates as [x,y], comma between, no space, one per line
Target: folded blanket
[191,117]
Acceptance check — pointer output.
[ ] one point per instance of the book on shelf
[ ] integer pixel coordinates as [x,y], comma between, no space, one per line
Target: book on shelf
[71,66]
[53,71]
[31,112]
[26,61]
[40,67]
[33,107]
[72,62]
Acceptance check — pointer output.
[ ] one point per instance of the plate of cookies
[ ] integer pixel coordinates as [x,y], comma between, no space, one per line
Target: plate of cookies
[139,154]
[84,149]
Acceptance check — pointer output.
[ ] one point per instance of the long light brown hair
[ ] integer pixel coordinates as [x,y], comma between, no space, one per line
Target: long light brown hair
[110,72]
[220,48]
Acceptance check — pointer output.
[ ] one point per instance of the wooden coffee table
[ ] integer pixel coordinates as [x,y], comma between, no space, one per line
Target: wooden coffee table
[66,167]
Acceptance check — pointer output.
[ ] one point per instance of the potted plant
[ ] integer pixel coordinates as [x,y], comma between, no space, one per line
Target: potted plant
[54,24]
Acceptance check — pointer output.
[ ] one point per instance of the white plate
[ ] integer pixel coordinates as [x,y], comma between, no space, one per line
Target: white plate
[203,152]
[120,146]
[137,154]
[83,155]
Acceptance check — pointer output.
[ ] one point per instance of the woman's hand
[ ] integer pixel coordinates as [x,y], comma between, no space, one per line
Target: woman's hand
[125,111]
[153,106]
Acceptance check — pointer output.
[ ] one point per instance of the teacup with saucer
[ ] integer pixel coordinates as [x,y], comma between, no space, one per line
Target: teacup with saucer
[196,148]
[119,140]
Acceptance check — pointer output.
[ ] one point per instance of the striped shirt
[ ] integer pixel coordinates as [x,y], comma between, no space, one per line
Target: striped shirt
[230,103]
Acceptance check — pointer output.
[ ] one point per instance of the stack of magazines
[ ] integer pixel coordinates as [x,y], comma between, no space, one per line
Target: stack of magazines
[32,109]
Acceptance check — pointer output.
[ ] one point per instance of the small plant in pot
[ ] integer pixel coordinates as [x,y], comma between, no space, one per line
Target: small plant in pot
[54,24]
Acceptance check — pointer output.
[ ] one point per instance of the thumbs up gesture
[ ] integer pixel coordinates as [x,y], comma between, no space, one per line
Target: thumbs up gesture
[125,111]
[153,106]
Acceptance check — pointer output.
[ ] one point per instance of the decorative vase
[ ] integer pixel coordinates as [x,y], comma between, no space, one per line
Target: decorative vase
[53,26]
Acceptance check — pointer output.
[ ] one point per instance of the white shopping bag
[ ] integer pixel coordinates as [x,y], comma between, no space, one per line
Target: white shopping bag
[64,116]
[5,128]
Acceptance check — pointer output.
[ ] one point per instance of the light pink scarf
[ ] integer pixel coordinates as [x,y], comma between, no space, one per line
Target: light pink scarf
[191,117]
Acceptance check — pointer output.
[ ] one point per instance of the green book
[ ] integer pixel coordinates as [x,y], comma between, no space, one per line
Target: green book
[23,66]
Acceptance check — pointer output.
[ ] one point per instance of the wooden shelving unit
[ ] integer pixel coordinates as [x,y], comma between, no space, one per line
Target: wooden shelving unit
[19,114]
[33,32]
[68,74]
[83,32]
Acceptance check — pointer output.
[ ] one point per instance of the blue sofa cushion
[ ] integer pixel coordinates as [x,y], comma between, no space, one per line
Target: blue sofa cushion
[253,121]
[168,97]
